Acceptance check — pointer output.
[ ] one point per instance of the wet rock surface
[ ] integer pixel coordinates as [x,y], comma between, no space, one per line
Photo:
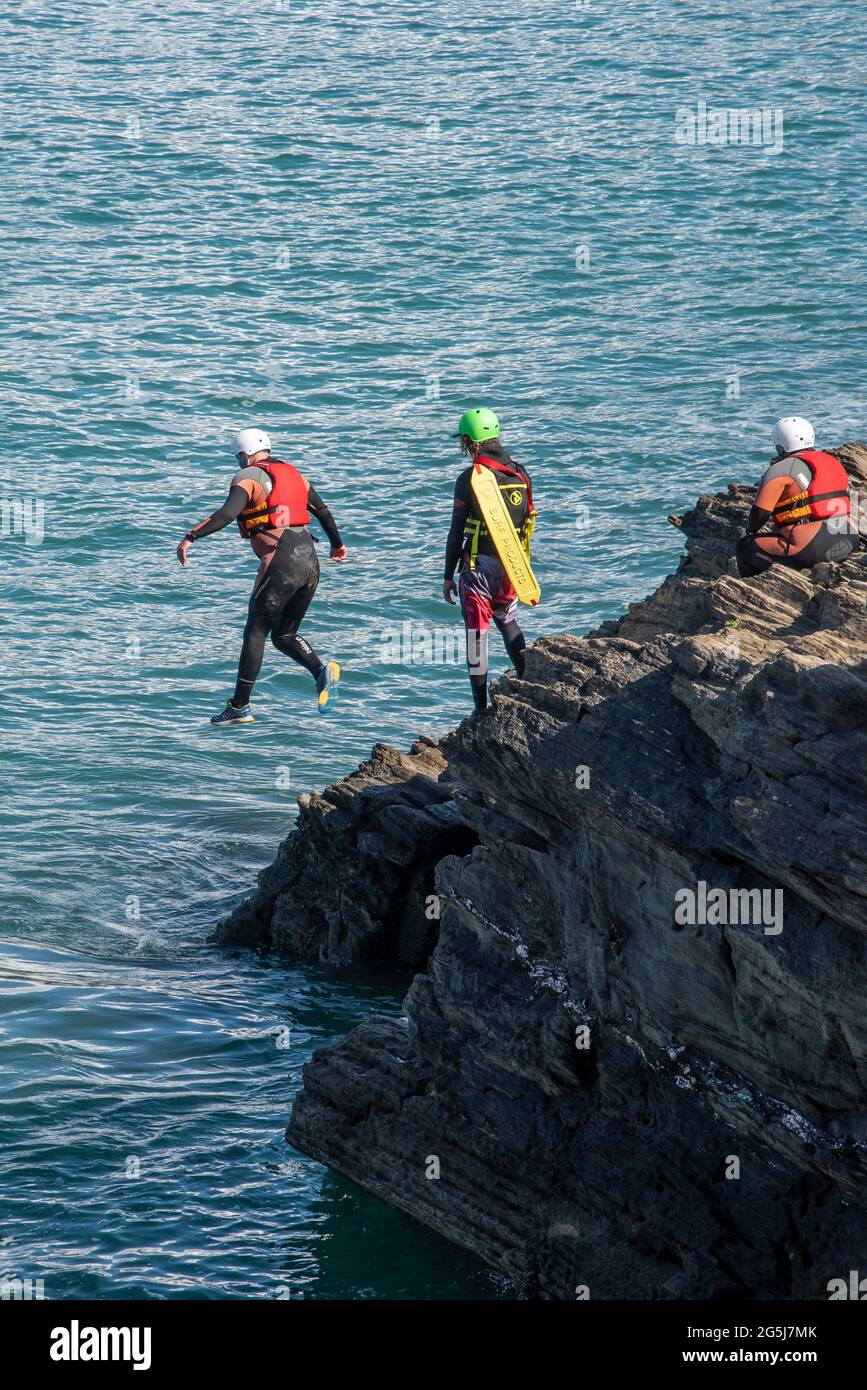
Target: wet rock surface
[593,1087]
[350,882]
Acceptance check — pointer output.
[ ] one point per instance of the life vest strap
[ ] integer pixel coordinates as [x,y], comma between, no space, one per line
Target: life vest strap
[527,530]
[473,531]
[498,467]
[797,509]
[475,527]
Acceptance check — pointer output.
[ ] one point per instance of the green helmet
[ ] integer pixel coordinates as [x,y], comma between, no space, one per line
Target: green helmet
[479,425]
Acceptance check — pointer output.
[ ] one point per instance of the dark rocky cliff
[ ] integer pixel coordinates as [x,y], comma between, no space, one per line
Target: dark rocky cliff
[586,1090]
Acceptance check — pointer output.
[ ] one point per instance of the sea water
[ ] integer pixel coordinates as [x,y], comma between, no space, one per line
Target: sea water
[635,230]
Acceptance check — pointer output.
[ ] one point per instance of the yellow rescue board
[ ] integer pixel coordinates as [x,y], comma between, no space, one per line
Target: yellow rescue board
[507,542]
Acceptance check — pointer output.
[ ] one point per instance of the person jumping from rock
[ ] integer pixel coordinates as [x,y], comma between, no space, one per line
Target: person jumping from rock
[804,495]
[484,588]
[272,503]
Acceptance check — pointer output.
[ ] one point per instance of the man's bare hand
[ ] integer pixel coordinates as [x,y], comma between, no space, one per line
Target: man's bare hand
[340,553]
[183,550]
[449,591]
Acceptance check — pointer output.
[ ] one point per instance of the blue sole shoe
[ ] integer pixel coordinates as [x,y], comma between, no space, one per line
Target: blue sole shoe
[231,715]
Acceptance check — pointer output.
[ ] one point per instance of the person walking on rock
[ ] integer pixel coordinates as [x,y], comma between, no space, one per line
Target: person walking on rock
[484,588]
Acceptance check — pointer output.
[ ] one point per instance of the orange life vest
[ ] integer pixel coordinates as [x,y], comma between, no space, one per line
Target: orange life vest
[822,497]
[286,504]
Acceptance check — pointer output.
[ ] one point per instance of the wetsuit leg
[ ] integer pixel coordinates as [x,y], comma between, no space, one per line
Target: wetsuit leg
[515,643]
[477,665]
[753,557]
[486,593]
[477,607]
[804,547]
[252,651]
[277,606]
[285,629]
[505,609]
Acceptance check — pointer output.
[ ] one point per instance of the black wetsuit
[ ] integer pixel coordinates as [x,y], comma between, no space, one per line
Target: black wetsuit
[277,607]
[283,592]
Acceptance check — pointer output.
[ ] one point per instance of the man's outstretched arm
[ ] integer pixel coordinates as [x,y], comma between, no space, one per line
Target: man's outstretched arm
[231,509]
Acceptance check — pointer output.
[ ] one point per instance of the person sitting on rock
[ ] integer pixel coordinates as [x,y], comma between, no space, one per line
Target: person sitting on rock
[804,495]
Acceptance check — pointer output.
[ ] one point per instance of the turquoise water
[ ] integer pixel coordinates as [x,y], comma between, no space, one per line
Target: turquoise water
[346,222]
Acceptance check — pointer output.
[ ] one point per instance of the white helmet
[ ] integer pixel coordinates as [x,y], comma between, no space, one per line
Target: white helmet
[250,442]
[793,432]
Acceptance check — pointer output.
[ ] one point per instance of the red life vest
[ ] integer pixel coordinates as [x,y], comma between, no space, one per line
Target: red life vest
[822,497]
[286,504]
